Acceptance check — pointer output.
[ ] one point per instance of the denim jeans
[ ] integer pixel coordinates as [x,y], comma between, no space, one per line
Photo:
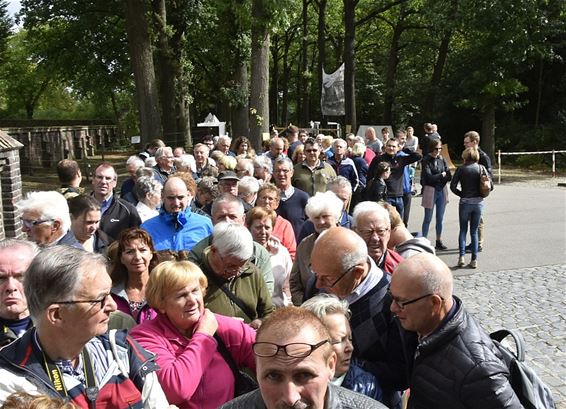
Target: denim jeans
[469,213]
[398,203]
[440,204]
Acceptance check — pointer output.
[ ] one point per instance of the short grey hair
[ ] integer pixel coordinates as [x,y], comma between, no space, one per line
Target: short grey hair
[324,202]
[55,274]
[135,160]
[187,161]
[163,151]
[10,243]
[286,160]
[248,164]
[264,162]
[369,207]
[144,171]
[146,185]
[50,205]
[232,240]
[340,141]
[248,185]
[322,305]
[224,138]
[226,198]
[340,182]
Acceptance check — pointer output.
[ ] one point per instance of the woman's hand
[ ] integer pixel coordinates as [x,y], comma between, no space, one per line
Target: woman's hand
[207,324]
[255,324]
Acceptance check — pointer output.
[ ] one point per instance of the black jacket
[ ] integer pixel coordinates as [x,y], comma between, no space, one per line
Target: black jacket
[119,216]
[397,163]
[458,366]
[469,178]
[432,169]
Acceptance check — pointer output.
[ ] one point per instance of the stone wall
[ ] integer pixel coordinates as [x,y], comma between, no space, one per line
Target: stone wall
[11,186]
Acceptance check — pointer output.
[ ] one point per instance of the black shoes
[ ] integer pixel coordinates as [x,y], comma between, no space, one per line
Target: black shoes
[469,248]
[440,245]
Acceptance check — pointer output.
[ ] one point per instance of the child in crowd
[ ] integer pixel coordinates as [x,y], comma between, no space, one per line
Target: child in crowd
[376,189]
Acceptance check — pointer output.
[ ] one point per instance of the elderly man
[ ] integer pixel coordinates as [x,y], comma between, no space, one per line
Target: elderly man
[244,167]
[133,163]
[293,200]
[177,227]
[45,219]
[70,177]
[15,257]
[341,265]
[371,221]
[342,164]
[223,145]
[117,214]
[247,190]
[276,148]
[68,355]
[457,365]
[312,175]
[228,208]
[295,364]
[204,165]
[236,287]
[269,196]
[165,164]
[372,142]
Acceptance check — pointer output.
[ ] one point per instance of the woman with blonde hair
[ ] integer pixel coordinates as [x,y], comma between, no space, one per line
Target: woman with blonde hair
[192,344]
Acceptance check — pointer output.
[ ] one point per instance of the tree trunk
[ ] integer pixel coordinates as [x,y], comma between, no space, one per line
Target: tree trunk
[239,109]
[274,88]
[349,62]
[259,98]
[285,82]
[303,100]
[391,74]
[321,46]
[488,130]
[141,57]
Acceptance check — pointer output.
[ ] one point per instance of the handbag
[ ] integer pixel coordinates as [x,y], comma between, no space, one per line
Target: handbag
[243,382]
[485,182]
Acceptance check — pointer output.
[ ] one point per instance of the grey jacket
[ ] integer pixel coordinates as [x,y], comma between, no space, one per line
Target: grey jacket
[336,398]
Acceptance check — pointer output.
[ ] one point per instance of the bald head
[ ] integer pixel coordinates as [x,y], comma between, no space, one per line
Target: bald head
[176,195]
[430,272]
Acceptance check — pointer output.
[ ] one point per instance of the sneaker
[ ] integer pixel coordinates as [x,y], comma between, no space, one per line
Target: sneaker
[473,264]
[461,261]
[440,245]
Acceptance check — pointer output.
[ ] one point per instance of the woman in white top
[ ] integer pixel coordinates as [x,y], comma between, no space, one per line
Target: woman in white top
[148,192]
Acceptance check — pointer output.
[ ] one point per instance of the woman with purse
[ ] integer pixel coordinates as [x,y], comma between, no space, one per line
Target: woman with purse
[198,351]
[469,177]
[435,176]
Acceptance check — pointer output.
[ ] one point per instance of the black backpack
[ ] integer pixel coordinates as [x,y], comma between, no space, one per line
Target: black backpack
[529,388]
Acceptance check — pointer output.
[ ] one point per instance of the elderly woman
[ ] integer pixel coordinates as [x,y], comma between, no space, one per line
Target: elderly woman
[236,286]
[299,154]
[261,221]
[435,175]
[190,341]
[148,192]
[323,210]
[135,258]
[335,315]
[226,162]
[471,203]
[263,169]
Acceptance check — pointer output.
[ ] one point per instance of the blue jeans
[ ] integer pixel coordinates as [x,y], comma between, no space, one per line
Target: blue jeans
[398,203]
[469,213]
[440,204]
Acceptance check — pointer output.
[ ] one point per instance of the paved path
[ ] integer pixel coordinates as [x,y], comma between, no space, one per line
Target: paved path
[531,300]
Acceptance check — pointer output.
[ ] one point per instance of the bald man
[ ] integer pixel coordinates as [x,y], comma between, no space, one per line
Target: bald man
[176,227]
[342,267]
[456,365]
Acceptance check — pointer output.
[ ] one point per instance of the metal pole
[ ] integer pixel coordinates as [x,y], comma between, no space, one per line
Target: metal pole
[499,166]
[553,164]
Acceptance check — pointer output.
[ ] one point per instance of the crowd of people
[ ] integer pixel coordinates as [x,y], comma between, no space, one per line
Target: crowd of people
[206,273]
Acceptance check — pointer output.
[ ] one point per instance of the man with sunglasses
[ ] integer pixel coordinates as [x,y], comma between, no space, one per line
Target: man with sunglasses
[69,353]
[456,364]
[342,266]
[295,363]
[313,174]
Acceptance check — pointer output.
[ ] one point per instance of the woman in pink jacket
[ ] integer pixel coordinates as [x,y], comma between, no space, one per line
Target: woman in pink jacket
[184,334]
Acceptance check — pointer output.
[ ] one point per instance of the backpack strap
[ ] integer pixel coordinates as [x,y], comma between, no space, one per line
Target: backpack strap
[517,338]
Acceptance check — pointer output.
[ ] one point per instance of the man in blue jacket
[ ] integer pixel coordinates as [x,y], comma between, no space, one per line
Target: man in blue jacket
[176,227]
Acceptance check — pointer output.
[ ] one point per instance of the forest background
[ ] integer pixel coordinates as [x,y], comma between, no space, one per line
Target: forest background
[158,67]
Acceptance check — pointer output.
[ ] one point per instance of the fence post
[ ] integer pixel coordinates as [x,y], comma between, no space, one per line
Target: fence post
[553,163]
[499,166]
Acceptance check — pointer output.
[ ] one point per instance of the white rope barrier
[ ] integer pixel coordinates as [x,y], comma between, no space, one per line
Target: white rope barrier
[499,154]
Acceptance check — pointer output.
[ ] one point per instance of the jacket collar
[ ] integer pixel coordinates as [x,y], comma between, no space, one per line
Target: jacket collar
[448,329]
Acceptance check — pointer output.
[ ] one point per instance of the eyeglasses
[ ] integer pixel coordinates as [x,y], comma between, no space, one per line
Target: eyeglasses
[366,234]
[28,224]
[322,279]
[294,350]
[403,304]
[101,301]
[311,150]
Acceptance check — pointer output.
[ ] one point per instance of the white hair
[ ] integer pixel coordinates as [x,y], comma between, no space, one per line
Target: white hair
[248,164]
[224,138]
[341,182]
[163,151]
[50,205]
[248,185]
[264,162]
[186,161]
[324,202]
[368,207]
[135,160]
[232,240]
[150,162]
[322,305]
